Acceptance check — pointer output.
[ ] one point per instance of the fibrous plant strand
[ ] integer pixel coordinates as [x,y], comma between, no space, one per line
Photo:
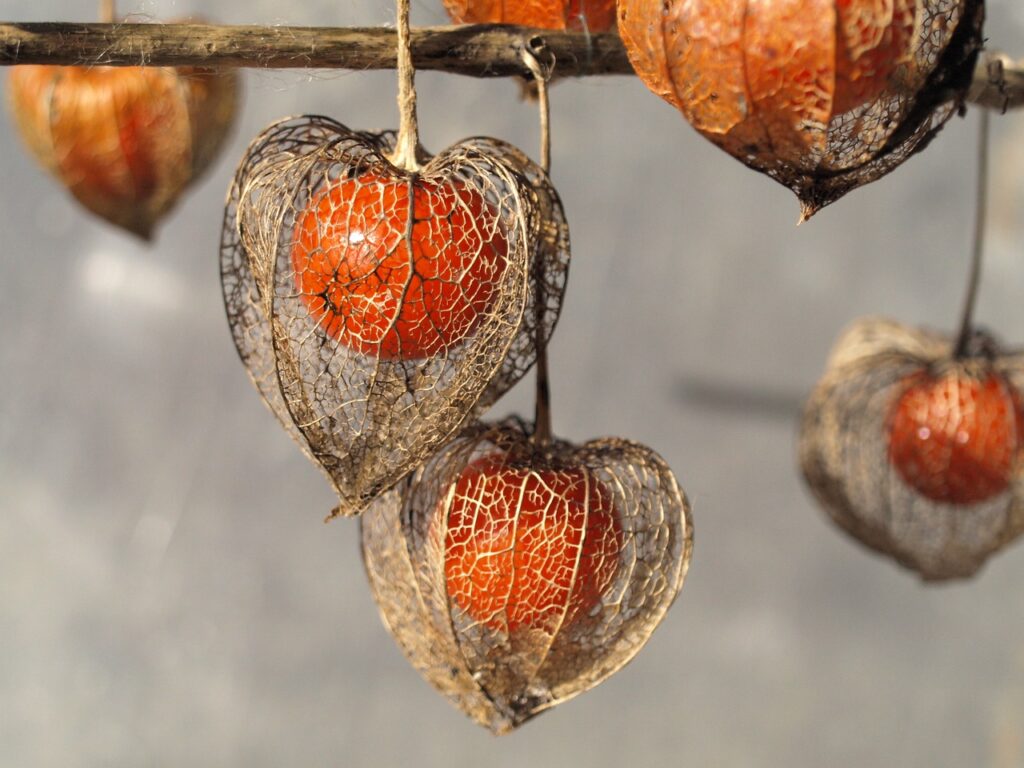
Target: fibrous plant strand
[978,243]
[408,127]
[542,413]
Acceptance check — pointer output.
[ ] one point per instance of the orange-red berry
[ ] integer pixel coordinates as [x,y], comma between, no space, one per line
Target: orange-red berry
[358,278]
[768,76]
[873,39]
[956,438]
[578,15]
[125,141]
[529,548]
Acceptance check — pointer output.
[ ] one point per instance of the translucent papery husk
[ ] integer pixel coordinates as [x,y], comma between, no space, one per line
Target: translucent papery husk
[822,96]
[505,667]
[126,141]
[368,419]
[577,15]
[845,453]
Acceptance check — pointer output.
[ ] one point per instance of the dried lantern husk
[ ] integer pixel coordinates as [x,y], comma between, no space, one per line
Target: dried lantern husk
[574,15]
[359,407]
[125,141]
[514,577]
[960,500]
[822,96]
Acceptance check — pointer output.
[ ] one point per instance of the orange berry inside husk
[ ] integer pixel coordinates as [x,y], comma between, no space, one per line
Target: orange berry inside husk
[873,39]
[529,548]
[956,438]
[766,79]
[124,140]
[576,15]
[367,288]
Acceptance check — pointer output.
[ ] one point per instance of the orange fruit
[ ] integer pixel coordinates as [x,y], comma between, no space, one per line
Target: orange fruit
[365,287]
[768,75]
[956,438]
[126,141]
[529,548]
[874,38]
[577,15]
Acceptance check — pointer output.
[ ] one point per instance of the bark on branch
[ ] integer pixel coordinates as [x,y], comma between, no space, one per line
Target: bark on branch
[476,51]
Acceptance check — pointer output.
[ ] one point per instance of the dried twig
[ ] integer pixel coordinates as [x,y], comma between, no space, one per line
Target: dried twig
[476,51]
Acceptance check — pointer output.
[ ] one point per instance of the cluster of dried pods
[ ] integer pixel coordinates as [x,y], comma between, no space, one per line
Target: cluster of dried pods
[912,440]
[382,299]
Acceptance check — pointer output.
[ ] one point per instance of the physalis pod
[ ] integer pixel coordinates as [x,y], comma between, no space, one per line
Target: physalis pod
[515,576]
[917,452]
[821,95]
[575,15]
[126,141]
[376,308]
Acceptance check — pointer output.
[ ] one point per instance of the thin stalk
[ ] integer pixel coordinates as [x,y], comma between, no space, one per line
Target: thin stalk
[108,13]
[408,127]
[978,246]
[542,413]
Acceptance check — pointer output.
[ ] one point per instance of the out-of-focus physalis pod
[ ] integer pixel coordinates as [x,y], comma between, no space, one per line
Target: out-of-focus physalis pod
[917,452]
[126,141]
[515,577]
[821,95]
[576,15]
[376,308]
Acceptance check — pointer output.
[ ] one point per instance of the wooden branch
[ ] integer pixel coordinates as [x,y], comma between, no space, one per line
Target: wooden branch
[998,82]
[476,51]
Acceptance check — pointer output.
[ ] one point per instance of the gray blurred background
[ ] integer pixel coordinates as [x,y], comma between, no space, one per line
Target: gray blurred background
[170,597]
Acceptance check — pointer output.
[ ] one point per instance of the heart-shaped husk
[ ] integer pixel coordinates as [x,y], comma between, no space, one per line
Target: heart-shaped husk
[369,419]
[822,96]
[845,453]
[126,141]
[558,636]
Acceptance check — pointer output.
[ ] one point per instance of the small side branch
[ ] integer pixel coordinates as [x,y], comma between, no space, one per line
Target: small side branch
[476,51]
[998,82]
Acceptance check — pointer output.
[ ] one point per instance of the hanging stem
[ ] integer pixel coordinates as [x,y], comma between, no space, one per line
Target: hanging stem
[408,128]
[978,247]
[545,113]
[108,13]
[542,414]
